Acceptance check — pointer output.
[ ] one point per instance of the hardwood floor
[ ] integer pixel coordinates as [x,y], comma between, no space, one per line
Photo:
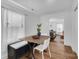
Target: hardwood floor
[58,51]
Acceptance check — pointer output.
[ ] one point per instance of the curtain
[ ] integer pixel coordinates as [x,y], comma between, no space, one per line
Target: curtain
[15,26]
[3,33]
[12,29]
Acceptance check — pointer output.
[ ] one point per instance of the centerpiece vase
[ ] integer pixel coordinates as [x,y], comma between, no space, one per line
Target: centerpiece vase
[39,33]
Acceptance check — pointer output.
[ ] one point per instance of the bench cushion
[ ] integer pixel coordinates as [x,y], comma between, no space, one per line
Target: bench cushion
[19,44]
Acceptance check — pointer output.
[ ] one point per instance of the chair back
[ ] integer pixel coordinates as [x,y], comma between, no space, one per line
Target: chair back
[46,43]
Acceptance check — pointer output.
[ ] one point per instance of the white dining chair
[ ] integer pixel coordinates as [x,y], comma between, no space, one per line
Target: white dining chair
[42,47]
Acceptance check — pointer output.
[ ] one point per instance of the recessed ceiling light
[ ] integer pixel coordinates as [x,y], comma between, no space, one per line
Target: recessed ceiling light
[32,9]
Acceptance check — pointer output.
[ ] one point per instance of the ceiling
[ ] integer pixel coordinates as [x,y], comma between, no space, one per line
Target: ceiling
[43,6]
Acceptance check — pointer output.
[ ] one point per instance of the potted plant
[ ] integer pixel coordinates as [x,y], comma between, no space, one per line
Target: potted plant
[39,29]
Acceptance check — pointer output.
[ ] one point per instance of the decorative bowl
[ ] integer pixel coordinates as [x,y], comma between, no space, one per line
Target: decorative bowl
[35,37]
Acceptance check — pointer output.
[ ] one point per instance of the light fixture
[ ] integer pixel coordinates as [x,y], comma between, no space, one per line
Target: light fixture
[32,9]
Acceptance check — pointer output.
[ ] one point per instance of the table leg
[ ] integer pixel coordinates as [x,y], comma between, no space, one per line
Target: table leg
[32,45]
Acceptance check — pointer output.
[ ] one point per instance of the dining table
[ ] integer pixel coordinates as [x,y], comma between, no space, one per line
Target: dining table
[35,40]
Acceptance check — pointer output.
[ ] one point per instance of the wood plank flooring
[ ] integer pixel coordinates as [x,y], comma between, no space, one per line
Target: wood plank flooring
[58,51]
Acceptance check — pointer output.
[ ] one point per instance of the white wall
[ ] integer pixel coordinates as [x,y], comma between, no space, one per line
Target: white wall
[71,30]
[75,32]
[31,22]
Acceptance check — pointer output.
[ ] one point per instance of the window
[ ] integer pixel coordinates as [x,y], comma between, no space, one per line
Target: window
[59,28]
[14,25]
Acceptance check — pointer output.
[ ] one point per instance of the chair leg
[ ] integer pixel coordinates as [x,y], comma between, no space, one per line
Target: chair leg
[33,51]
[33,57]
[42,55]
[49,52]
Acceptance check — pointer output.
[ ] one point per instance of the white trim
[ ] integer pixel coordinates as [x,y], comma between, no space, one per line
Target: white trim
[72,48]
[18,4]
[4,56]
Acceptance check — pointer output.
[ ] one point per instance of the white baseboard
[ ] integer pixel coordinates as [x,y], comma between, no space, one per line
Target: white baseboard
[3,57]
[72,48]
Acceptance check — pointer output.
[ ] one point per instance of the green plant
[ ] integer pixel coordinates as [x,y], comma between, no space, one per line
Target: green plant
[39,27]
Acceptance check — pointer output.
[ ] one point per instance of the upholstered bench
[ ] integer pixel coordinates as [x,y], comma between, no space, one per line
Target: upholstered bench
[17,49]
